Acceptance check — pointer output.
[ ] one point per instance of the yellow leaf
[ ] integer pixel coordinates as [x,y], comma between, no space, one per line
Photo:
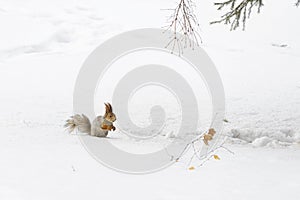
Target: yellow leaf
[191,168]
[216,157]
[208,137]
[211,132]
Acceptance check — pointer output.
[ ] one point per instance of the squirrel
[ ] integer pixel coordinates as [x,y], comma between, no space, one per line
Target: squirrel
[99,127]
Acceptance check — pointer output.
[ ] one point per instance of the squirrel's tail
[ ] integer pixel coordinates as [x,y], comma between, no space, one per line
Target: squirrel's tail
[79,122]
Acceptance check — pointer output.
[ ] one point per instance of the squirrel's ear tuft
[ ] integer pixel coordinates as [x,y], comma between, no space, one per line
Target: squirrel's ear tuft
[106,108]
[110,107]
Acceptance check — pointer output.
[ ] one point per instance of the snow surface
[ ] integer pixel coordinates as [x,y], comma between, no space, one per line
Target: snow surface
[44,43]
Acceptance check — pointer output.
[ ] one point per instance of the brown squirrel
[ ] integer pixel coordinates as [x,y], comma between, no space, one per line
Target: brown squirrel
[99,127]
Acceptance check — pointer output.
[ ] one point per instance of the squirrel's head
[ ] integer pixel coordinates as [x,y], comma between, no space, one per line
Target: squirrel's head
[109,115]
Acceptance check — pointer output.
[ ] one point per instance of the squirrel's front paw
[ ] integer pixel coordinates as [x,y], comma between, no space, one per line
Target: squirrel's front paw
[104,127]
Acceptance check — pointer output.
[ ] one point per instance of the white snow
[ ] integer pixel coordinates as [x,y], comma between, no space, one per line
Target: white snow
[43,45]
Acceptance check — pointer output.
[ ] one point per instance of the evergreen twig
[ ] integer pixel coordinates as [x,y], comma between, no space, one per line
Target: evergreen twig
[238,13]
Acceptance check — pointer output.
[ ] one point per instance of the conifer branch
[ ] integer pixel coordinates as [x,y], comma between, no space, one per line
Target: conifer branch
[239,12]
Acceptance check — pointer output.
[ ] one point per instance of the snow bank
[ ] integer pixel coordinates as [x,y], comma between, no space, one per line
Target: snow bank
[261,79]
[264,137]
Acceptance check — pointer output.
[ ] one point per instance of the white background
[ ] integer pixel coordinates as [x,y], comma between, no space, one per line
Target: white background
[42,46]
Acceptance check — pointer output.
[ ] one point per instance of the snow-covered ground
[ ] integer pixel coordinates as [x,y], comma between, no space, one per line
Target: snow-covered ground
[42,47]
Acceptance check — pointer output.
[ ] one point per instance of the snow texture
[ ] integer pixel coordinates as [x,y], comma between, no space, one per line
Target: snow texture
[43,45]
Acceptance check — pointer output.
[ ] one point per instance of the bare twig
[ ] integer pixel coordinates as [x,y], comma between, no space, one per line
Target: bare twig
[197,143]
[184,24]
[238,13]
[212,153]
[298,3]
